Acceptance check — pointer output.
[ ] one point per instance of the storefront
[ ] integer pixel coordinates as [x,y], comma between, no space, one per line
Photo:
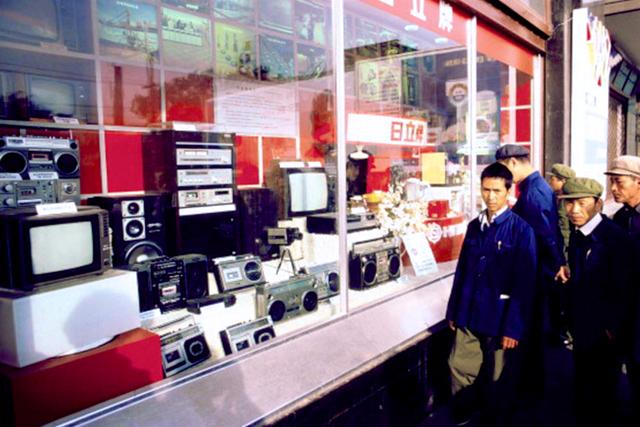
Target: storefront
[340,137]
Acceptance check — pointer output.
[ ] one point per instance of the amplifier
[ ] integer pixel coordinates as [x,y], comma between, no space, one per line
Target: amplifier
[326,223]
[374,262]
[204,177]
[328,278]
[182,343]
[38,158]
[288,298]
[248,334]
[237,272]
[194,156]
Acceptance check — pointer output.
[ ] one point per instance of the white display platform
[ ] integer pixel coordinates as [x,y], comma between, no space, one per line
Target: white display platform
[64,317]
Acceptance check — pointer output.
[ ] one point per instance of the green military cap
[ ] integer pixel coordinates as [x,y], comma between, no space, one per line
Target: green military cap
[562,171]
[576,188]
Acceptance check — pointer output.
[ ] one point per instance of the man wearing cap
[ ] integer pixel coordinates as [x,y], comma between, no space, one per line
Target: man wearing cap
[537,206]
[624,177]
[558,175]
[599,259]
[489,303]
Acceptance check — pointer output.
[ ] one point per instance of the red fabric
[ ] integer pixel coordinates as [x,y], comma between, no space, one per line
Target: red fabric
[60,386]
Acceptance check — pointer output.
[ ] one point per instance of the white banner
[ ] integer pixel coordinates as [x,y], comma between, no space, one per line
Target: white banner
[375,129]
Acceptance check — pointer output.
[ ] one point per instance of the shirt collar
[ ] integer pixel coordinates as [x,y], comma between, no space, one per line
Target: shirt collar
[591,225]
[484,217]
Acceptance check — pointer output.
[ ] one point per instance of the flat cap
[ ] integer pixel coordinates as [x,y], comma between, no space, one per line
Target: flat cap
[562,171]
[511,150]
[625,165]
[576,188]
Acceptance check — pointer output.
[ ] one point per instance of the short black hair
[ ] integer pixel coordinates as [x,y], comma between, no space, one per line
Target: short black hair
[498,170]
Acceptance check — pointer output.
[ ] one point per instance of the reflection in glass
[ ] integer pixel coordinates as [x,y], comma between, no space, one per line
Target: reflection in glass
[186,40]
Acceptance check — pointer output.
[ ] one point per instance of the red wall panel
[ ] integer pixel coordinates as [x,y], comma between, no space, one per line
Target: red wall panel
[247,159]
[124,161]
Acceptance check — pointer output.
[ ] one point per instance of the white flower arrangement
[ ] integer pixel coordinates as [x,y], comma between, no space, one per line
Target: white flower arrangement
[400,217]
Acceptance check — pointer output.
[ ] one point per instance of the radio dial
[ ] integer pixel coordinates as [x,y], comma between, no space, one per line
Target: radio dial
[8,188]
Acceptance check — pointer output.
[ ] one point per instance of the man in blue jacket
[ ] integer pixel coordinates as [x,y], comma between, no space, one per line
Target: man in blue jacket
[599,259]
[490,301]
[538,207]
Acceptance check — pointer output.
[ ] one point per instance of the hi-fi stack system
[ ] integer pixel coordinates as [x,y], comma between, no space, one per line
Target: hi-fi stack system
[36,170]
[199,170]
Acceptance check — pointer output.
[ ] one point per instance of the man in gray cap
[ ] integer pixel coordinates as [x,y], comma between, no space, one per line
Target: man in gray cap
[538,207]
[599,259]
[624,177]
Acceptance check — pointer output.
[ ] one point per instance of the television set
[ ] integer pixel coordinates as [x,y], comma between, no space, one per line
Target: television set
[51,97]
[41,249]
[46,22]
[305,191]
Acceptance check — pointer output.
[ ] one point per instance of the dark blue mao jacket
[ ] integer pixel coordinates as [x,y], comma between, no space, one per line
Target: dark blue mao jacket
[538,207]
[495,278]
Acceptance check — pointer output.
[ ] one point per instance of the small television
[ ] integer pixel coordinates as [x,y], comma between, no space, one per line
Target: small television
[51,97]
[301,189]
[41,249]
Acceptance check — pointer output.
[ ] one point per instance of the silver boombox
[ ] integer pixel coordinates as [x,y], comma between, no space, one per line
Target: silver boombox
[183,344]
[244,335]
[328,278]
[237,272]
[38,158]
[288,298]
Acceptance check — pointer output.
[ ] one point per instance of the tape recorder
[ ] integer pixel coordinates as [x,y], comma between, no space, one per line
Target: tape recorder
[373,262]
[288,298]
[237,272]
[183,344]
[328,279]
[248,334]
[38,158]
[38,191]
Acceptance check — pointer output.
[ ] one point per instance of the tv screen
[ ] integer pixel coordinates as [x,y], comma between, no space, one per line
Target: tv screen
[308,192]
[35,19]
[51,97]
[60,247]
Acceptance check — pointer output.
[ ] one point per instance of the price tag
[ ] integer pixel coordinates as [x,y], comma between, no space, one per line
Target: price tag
[420,254]
[66,120]
[56,208]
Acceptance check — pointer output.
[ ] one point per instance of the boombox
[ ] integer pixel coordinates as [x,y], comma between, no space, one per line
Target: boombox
[328,279]
[38,158]
[286,299]
[166,283]
[373,262]
[248,334]
[237,272]
[140,225]
[183,344]
[15,194]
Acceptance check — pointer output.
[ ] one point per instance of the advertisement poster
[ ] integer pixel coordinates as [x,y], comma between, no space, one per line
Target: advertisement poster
[310,21]
[379,86]
[590,83]
[128,29]
[235,52]
[255,108]
[276,15]
[199,6]
[186,39]
[276,59]
[241,11]
[312,62]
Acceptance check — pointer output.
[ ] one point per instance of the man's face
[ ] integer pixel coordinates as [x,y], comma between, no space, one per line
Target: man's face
[625,189]
[494,194]
[556,183]
[581,210]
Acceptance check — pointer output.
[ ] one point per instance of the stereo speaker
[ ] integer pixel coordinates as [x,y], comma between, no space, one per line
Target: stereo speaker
[258,209]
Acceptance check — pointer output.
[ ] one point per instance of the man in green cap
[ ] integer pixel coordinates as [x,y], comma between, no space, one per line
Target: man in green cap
[599,261]
[557,177]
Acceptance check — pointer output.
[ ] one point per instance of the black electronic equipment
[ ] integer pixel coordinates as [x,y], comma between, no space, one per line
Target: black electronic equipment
[258,210]
[183,344]
[373,262]
[288,298]
[140,224]
[166,283]
[198,168]
[195,305]
[328,278]
[283,236]
[40,249]
[38,158]
[237,272]
[326,223]
[241,336]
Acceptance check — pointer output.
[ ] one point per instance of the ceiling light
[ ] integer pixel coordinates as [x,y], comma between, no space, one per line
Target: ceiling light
[411,27]
[441,40]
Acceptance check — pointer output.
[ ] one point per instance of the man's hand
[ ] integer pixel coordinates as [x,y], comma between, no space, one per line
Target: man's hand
[563,274]
[452,325]
[509,343]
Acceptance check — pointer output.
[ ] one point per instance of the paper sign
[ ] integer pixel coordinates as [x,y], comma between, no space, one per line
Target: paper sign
[56,208]
[420,254]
